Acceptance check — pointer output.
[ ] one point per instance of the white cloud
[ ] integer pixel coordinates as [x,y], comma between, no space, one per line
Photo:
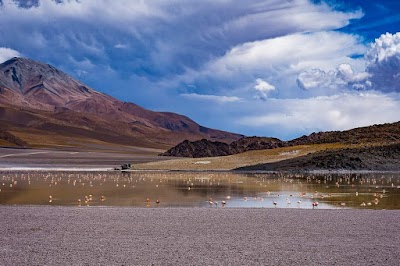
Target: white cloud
[346,73]
[7,53]
[383,63]
[263,87]
[295,52]
[121,46]
[214,98]
[342,78]
[184,33]
[86,10]
[278,60]
[338,112]
[382,71]
[385,47]
[316,78]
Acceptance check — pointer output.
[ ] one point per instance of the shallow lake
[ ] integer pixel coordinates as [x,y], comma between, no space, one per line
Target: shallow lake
[201,189]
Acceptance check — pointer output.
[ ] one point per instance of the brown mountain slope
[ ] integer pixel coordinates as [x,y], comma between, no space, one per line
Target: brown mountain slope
[372,135]
[384,133]
[38,97]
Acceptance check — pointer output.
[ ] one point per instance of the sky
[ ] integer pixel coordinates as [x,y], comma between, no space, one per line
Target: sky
[278,68]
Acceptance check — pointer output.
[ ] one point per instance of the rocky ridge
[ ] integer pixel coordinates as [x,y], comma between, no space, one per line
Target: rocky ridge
[376,134]
[206,148]
[375,158]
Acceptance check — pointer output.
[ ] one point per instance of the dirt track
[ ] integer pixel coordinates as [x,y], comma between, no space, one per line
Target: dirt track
[197,236]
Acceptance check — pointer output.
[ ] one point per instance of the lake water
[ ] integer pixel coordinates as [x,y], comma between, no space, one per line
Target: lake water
[198,189]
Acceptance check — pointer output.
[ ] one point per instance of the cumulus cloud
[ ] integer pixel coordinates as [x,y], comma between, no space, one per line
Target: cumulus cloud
[7,53]
[263,88]
[342,78]
[316,78]
[383,63]
[214,98]
[382,70]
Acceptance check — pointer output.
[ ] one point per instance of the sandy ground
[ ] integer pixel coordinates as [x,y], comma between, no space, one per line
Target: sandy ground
[234,161]
[197,236]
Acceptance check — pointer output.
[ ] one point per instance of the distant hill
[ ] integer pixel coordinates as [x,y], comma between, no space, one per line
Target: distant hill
[44,106]
[376,158]
[372,135]
[206,148]
[384,133]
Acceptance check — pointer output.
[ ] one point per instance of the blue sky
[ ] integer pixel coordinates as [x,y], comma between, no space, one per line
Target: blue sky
[269,68]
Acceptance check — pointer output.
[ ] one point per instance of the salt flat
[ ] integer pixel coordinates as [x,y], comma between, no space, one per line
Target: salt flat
[42,159]
[43,235]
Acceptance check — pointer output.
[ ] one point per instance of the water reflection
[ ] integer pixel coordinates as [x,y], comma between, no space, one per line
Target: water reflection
[211,190]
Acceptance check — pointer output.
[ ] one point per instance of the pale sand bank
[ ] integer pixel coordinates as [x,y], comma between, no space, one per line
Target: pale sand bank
[197,236]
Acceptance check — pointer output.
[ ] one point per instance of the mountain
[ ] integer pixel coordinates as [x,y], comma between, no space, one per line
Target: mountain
[372,135]
[43,106]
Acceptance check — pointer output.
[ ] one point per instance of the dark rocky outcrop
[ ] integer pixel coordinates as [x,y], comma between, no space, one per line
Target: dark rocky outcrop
[200,148]
[13,140]
[206,148]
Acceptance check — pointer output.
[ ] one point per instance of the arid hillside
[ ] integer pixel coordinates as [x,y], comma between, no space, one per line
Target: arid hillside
[372,135]
[43,106]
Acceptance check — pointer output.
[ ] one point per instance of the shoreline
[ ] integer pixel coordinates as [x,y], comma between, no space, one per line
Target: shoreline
[108,169]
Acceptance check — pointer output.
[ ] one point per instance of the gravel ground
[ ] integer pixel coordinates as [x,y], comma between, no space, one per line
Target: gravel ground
[197,236]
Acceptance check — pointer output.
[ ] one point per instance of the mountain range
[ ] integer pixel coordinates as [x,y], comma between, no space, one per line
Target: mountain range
[375,148]
[372,135]
[41,106]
